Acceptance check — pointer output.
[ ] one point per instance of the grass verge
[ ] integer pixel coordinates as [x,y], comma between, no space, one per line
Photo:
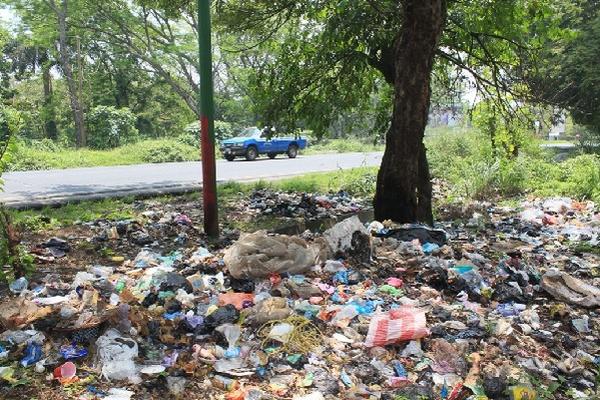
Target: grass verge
[341,146]
[44,154]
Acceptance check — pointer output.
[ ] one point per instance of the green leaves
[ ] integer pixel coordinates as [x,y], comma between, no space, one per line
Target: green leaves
[109,127]
[568,74]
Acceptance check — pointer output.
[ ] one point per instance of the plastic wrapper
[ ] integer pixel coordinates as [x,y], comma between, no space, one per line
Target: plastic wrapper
[405,323]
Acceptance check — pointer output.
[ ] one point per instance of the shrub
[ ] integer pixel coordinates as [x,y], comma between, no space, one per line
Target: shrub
[15,261]
[44,145]
[507,133]
[582,177]
[8,127]
[465,160]
[191,134]
[110,127]
[589,141]
[161,151]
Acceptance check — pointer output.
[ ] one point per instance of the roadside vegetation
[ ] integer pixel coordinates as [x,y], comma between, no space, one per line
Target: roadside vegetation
[465,160]
[350,145]
[461,161]
[44,154]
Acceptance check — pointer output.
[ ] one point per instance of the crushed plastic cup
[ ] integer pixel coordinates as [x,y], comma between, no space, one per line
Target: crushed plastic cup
[67,371]
[232,334]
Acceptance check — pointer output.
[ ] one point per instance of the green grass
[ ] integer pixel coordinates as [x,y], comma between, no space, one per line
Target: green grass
[358,181]
[38,157]
[341,146]
[466,161]
[54,217]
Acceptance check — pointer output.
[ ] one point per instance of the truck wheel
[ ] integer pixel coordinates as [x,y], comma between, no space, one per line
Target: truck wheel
[230,157]
[251,153]
[292,151]
[272,155]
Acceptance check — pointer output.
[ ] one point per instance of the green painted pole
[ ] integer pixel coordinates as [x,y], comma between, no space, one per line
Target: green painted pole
[207,123]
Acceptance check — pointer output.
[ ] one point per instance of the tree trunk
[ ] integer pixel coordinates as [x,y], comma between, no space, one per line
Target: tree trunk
[65,62]
[49,111]
[122,87]
[403,184]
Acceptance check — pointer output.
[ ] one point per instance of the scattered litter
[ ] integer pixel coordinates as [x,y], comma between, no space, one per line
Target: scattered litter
[471,309]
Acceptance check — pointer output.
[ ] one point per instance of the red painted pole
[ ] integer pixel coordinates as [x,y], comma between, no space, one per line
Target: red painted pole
[207,125]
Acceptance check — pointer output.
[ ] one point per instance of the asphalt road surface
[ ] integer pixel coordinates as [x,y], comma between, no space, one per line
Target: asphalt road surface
[39,188]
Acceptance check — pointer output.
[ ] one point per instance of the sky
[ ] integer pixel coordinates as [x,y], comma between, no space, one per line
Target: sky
[7,17]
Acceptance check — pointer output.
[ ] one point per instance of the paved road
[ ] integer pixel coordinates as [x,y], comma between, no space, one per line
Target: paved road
[38,188]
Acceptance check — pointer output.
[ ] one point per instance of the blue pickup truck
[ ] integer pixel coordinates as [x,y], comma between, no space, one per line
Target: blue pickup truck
[252,142]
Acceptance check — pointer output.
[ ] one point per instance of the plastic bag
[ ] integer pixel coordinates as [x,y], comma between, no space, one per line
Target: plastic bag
[281,332]
[271,309]
[405,323]
[339,236]
[116,355]
[566,288]
[258,255]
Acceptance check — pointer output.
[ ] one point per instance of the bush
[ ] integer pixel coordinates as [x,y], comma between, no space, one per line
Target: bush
[43,145]
[8,127]
[589,141]
[191,135]
[110,127]
[161,151]
[465,160]
[15,261]
[582,177]
[509,133]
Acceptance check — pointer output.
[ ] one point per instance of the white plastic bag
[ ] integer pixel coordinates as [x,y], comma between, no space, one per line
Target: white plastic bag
[116,355]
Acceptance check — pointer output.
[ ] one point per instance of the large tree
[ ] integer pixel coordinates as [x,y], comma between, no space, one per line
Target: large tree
[60,35]
[568,75]
[328,56]
[26,60]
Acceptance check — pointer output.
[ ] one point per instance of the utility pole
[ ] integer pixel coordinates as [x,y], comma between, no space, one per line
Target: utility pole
[207,124]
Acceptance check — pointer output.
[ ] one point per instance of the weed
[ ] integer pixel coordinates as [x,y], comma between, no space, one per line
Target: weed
[583,247]
[16,262]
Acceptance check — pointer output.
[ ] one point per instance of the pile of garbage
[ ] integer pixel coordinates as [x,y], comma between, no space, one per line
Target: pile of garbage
[494,306]
[300,205]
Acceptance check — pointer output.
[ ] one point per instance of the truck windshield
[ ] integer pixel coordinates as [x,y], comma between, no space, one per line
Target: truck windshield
[250,132]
